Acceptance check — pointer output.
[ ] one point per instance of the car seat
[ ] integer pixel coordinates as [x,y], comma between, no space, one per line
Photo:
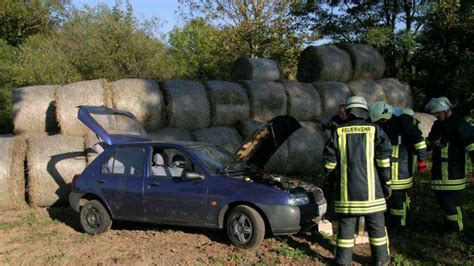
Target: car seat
[158,168]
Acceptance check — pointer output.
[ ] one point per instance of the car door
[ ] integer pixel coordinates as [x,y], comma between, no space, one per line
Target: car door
[170,198]
[121,182]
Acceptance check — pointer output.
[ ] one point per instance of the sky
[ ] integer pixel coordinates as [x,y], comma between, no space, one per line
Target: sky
[163,9]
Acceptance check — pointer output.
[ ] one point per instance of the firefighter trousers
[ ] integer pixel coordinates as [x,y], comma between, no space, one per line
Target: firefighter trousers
[396,215]
[449,202]
[375,224]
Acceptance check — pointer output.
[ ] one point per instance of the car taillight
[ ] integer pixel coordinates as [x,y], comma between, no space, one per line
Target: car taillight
[74,180]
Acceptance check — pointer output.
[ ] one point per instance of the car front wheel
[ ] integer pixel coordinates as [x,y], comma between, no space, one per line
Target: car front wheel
[245,227]
[94,218]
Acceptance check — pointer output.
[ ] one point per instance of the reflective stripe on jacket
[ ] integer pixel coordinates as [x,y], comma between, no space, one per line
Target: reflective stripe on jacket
[406,140]
[456,137]
[357,156]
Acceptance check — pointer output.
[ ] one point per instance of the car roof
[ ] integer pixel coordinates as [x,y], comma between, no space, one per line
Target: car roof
[174,142]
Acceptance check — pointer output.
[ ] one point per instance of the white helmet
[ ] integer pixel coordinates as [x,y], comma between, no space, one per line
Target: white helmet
[437,105]
[356,102]
[380,110]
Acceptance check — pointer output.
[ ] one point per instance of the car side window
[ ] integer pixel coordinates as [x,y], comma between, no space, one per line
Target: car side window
[125,161]
[169,163]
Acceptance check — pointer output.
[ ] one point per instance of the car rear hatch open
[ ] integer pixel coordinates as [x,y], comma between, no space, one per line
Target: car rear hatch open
[259,148]
[111,125]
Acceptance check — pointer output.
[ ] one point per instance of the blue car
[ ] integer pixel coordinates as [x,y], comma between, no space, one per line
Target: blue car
[190,183]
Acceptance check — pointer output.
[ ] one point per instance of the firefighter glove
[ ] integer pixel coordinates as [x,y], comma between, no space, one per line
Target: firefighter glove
[387,191]
[422,167]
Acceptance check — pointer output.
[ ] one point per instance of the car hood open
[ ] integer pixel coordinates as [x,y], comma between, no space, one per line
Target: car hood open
[259,148]
[111,125]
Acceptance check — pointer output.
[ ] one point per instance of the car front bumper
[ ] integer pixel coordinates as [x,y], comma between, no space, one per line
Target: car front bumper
[288,219]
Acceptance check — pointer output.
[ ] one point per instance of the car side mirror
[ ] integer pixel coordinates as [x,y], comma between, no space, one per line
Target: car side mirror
[192,176]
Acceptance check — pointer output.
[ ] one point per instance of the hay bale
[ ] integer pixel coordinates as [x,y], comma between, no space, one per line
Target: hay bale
[369,89]
[92,92]
[34,110]
[305,150]
[171,134]
[277,163]
[12,172]
[426,122]
[187,104]
[409,95]
[304,102]
[90,140]
[332,95]
[268,99]
[367,63]
[226,137]
[245,68]
[229,102]
[324,63]
[52,163]
[143,98]
[396,93]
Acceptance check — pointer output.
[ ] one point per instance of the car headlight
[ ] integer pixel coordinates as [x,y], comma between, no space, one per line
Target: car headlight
[298,199]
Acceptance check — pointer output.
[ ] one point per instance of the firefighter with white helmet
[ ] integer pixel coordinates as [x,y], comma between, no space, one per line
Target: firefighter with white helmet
[450,138]
[406,140]
[357,160]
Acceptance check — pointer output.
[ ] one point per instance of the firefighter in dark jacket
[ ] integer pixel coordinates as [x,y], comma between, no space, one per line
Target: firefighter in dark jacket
[406,140]
[450,138]
[357,160]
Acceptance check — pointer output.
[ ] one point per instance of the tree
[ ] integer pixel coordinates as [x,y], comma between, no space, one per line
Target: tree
[254,28]
[7,57]
[390,26]
[21,19]
[196,49]
[445,60]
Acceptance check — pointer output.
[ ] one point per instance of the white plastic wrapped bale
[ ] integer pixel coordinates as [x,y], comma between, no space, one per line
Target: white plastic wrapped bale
[367,63]
[52,163]
[143,98]
[268,99]
[426,122]
[304,102]
[245,68]
[369,89]
[68,97]
[229,102]
[332,95]
[34,110]
[226,137]
[187,104]
[324,63]
[12,172]
[171,134]
[396,93]
[277,163]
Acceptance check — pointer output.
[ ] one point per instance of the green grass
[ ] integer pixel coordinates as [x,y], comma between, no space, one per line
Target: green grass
[29,219]
[290,252]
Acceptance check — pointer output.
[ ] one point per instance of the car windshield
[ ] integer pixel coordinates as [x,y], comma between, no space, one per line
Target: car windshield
[118,124]
[215,158]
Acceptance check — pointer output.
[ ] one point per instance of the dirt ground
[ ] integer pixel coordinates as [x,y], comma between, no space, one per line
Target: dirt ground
[53,236]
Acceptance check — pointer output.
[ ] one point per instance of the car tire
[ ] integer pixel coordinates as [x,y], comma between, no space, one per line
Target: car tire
[95,219]
[245,227]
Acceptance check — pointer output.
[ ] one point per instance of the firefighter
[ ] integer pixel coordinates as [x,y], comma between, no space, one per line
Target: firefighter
[357,160]
[450,138]
[406,140]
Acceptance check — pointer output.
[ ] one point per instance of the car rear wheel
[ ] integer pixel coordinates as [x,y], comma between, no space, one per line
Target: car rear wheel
[94,218]
[245,227]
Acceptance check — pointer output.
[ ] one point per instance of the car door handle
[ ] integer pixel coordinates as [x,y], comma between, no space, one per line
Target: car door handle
[153,184]
[101,181]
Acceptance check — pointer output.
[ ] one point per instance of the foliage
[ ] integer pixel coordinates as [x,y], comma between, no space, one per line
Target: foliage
[254,28]
[21,19]
[445,60]
[196,50]
[7,57]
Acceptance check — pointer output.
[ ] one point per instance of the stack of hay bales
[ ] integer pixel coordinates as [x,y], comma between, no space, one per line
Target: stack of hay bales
[324,63]
[246,68]
[367,88]
[226,137]
[268,99]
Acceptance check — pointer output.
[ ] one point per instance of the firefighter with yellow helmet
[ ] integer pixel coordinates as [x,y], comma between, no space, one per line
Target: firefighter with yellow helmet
[406,140]
[357,161]
[450,138]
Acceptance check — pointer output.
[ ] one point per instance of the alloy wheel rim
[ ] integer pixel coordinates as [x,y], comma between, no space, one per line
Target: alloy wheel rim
[240,228]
